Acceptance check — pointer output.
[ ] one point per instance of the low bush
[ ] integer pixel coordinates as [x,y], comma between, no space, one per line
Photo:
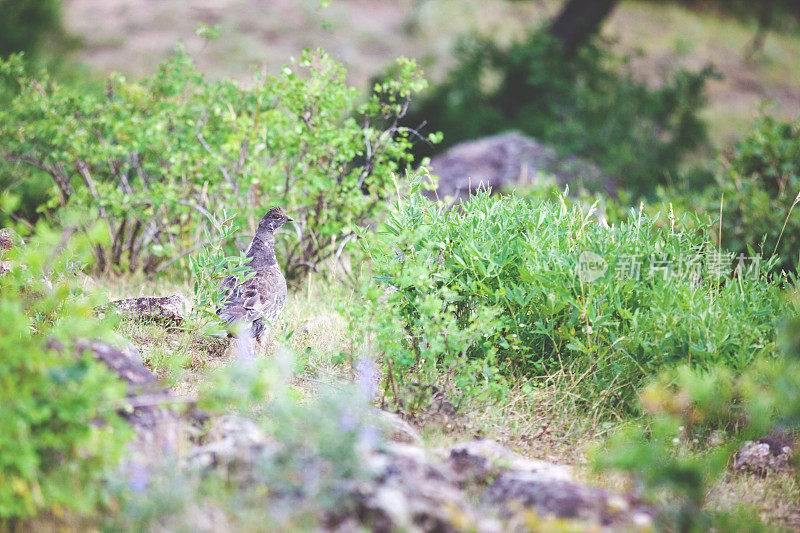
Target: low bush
[760,180]
[588,104]
[153,158]
[59,428]
[209,268]
[754,186]
[501,287]
[695,420]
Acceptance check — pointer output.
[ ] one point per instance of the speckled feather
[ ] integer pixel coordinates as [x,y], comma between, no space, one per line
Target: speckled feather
[263,295]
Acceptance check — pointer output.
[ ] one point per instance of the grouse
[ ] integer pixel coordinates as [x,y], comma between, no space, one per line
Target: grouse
[248,303]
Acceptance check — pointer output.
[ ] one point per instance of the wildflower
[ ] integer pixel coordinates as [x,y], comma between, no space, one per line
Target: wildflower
[366,377]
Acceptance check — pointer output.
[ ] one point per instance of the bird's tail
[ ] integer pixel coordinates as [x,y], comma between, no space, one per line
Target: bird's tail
[243,347]
[241,331]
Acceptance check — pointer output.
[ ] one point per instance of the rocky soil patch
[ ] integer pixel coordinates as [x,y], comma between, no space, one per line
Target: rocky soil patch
[478,485]
[772,453]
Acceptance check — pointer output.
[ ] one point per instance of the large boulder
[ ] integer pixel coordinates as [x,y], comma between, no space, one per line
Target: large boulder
[233,443]
[410,492]
[475,486]
[414,490]
[507,160]
[479,461]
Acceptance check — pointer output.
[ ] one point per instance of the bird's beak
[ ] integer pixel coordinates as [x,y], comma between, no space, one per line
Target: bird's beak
[289,219]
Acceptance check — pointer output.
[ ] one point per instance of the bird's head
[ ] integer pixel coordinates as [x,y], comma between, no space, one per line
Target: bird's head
[274,219]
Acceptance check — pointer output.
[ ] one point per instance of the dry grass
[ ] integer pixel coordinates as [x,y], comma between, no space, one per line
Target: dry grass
[310,327]
[775,496]
[545,424]
[669,36]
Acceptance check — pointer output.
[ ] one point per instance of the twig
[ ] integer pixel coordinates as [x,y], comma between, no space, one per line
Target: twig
[366,139]
[202,210]
[149,400]
[87,179]
[382,141]
[117,244]
[191,250]
[56,173]
[139,172]
[341,247]
[796,201]
[208,149]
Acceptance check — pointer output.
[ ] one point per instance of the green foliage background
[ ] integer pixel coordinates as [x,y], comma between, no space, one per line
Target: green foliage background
[760,181]
[25,24]
[587,104]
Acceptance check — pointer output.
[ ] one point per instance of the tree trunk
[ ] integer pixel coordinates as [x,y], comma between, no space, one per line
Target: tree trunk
[765,16]
[578,20]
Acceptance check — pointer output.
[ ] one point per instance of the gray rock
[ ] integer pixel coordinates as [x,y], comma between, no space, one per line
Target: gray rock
[481,460]
[506,160]
[411,489]
[412,493]
[166,310]
[397,429]
[417,492]
[158,429]
[149,410]
[232,441]
[548,496]
[767,454]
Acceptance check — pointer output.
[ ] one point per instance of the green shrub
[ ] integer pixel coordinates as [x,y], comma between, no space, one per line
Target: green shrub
[59,430]
[760,181]
[588,105]
[695,421]
[33,27]
[501,287]
[209,268]
[756,184]
[152,158]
